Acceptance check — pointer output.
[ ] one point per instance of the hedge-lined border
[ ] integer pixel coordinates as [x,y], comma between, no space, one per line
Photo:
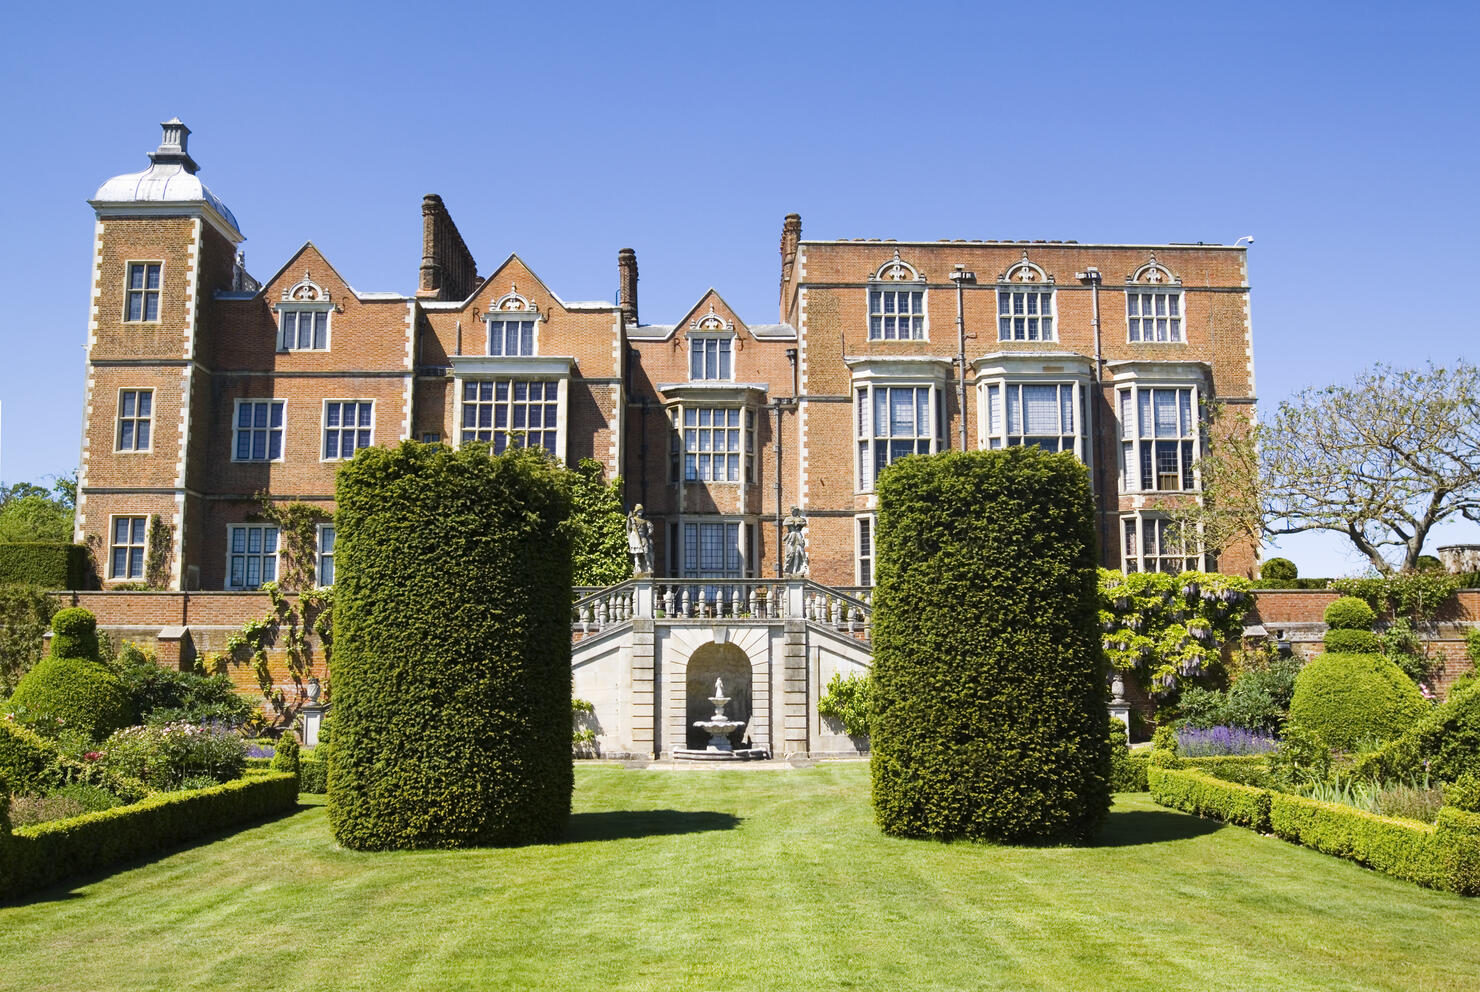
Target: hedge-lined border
[1445,857]
[48,564]
[313,776]
[40,855]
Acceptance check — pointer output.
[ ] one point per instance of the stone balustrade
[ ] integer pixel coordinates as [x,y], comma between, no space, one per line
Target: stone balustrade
[846,610]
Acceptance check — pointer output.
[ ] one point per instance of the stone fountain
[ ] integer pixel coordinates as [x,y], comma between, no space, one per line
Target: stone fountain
[719,727]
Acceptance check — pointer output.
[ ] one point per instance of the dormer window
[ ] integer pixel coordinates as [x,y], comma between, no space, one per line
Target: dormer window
[896,302]
[1025,303]
[303,317]
[711,344]
[511,326]
[1153,305]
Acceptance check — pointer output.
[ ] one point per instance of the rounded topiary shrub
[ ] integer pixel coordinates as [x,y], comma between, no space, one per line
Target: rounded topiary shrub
[1352,641]
[990,704]
[452,691]
[1347,699]
[82,694]
[1350,613]
[286,755]
[74,634]
[1279,569]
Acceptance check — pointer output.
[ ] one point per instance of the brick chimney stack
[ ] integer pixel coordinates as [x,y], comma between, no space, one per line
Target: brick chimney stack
[627,285]
[791,236]
[448,271]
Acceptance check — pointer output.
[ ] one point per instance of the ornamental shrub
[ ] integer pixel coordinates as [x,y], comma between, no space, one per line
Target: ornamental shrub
[850,702]
[1350,613]
[991,713]
[74,634]
[161,695]
[77,694]
[285,757]
[452,690]
[1347,698]
[1352,641]
[1446,740]
[1279,569]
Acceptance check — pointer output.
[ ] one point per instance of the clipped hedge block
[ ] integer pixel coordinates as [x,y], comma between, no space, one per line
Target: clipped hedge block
[82,693]
[313,776]
[1447,737]
[1348,698]
[1128,774]
[991,712]
[452,684]
[46,853]
[48,564]
[1279,569]
[1203,795]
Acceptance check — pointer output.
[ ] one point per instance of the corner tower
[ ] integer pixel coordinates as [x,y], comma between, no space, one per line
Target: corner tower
[163,245]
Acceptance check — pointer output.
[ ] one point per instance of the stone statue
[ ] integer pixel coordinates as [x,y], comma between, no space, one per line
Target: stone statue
[640,541]
[719,689]
[794,543]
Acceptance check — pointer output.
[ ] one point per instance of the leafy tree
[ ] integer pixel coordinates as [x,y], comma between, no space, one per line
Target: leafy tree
[29,512]
[598,527]
[1381,461]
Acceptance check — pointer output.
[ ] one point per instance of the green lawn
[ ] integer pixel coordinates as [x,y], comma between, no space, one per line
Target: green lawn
[772,880]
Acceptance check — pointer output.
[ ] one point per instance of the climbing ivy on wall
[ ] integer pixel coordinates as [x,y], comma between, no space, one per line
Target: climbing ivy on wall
[287,625]
[161,553]
[1165,630]
[297,525]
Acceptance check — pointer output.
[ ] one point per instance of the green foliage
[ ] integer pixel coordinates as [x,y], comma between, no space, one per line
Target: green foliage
[286,756]
[1472,646]
[849,701]
[452,672]
[1167,630]
[41,855]
[47,564]
[1195,791]
[77,694]
[1349,613]
[1405,649]
[31,513]
[1165,739]
[1127,773]
[313,776]
[597,527]
[161,551]
[1464,793]
[32,763]
[990,705]
[1419,596]
[1346,698]
[162,695]
[1258,699]
[1444,743]
[1352,641]
[74,634]
[164,757]
[287,624]
[583,735]
[25,617]
[1279,569]
[67,801]
[298,529]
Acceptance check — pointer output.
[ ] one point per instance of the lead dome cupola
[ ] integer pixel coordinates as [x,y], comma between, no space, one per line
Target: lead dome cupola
[170,178]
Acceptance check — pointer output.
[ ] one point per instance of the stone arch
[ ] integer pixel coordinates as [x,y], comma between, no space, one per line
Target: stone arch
[685,645]
[729,666]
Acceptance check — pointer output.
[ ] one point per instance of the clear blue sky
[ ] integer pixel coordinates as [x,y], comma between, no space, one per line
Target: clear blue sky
[1342,136]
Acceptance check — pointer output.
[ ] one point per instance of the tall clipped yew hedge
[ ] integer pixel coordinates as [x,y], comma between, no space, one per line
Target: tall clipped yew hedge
[991,715]
[452,688]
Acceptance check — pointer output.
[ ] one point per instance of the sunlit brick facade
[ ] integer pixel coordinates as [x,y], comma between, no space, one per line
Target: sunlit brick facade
[206,388]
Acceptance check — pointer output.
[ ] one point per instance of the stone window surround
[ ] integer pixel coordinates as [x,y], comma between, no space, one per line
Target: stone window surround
[917,371]
[748,397]
[1041,368]
[1194,560]
[281,429]
[479,368]
[144,292]
[320,554]
[1134,375]
[136,419]
[136,522]
[341,430]
[260,556]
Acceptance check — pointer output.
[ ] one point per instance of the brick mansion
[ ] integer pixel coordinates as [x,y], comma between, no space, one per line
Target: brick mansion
[206,387]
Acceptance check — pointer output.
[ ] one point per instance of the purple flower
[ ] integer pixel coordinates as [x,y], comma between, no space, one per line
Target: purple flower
[1195,742]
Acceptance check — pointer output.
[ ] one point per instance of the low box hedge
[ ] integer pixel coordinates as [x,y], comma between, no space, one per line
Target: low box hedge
[40,855]
[1200,793]
[1446,856]
[48,564]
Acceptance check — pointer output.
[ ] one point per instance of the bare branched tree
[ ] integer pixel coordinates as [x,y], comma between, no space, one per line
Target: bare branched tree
[1381,461]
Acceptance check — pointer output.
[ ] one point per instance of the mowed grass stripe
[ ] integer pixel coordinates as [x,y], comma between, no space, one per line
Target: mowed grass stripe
[745,880]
